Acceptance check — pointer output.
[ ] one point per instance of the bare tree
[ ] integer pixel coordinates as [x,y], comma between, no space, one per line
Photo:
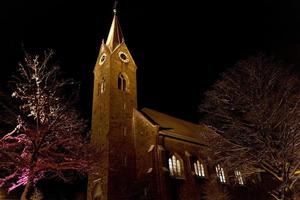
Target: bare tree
[213,190]
[255,107]
[49,139]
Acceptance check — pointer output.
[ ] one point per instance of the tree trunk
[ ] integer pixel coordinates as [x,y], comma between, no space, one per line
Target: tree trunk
[26,190]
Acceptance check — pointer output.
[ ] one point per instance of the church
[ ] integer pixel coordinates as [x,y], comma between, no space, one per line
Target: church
[146,154]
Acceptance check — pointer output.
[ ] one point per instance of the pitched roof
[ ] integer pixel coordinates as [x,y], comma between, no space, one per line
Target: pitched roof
[178,128]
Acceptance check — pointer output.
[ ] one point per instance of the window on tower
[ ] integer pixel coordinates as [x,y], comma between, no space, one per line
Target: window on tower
[122,82]
[102,85]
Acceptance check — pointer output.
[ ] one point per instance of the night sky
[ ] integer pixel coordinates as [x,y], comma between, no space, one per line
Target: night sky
[180,47]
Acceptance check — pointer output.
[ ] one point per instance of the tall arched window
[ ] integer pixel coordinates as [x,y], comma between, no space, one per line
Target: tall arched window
[239,177]
[199,168]
[102,85]
[220,173]
[175,166]
[122,82]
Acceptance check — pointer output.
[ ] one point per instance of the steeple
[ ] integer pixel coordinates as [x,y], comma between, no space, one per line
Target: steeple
[114,99]
[115,36]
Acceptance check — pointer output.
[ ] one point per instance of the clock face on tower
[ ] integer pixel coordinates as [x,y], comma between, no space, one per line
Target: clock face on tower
[102,59]
[123,56]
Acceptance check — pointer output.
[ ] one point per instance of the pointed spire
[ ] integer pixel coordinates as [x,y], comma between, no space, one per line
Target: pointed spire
[115,36]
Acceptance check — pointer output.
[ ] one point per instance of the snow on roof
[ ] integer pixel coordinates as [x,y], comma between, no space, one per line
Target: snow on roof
[178,126]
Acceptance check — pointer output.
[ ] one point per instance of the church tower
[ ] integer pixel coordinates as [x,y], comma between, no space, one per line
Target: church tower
[114,98]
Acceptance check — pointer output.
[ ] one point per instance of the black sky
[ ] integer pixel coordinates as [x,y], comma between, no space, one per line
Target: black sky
[180,47]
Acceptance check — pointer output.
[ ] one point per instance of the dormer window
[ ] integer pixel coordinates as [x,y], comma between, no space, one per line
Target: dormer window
[220,173]
[175,166]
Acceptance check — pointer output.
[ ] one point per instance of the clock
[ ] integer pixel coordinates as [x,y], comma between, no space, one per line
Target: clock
[102,59]
[123,56]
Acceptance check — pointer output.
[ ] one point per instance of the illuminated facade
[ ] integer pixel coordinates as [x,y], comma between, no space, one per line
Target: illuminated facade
[145,154]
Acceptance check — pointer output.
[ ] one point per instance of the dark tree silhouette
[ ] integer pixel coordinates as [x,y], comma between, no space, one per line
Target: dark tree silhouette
[49,140]
[8,114]
[255,107]
[213,190]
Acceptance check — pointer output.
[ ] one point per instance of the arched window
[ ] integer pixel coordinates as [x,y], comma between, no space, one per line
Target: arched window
[220,173]
[175,166]
[102,85]
[199,168]
[239,177]
[122,82]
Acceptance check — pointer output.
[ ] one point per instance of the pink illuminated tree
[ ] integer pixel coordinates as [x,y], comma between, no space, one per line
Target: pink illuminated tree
[49,140]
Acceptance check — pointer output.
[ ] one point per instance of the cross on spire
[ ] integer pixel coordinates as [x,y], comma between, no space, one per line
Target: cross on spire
[115,7]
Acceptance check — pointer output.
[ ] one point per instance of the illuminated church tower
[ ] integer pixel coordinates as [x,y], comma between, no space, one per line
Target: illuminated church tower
[114,98]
